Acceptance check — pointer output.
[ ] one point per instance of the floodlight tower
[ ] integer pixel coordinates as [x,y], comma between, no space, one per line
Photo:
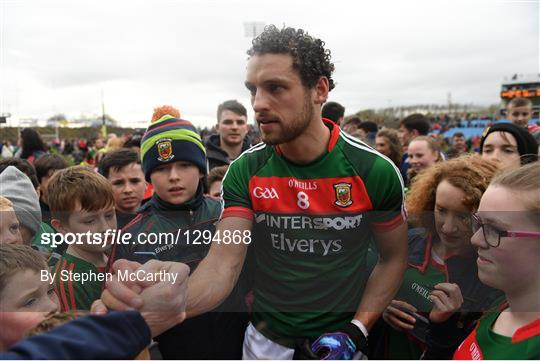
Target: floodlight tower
[252,29]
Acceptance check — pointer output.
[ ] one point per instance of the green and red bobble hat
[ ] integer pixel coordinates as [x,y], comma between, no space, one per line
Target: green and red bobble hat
[170,140]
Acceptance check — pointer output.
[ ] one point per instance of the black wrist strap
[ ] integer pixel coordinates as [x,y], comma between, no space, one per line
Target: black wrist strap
[357,336]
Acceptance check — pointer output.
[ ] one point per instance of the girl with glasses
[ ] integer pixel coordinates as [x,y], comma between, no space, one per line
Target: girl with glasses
[508,243]
[442,271]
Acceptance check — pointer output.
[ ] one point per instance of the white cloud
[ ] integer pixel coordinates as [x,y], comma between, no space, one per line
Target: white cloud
[57,56]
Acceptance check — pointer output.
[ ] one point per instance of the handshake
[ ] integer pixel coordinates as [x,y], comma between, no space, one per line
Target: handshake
[162,303]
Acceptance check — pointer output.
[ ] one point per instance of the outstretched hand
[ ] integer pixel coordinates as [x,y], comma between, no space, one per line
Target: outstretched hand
[162,303]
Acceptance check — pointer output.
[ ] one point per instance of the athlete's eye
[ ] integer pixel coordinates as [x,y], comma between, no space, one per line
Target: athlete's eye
[274,88]
[251,88]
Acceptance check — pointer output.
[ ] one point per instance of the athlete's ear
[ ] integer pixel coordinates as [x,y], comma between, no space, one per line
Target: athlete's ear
[321,89]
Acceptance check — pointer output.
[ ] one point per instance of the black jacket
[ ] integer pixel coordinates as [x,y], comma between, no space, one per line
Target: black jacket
[116,335]
[215,335]
[217,156]
[159,217]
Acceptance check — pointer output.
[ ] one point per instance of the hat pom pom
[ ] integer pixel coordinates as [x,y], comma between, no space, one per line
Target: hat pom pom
[165,110]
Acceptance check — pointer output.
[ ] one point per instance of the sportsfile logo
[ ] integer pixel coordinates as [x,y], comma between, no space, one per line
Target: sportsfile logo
[265,193]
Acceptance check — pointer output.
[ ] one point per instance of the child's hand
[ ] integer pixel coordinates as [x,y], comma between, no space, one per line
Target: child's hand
[130,291]
[162,304]
[125,294]
[447,299]
[98,308]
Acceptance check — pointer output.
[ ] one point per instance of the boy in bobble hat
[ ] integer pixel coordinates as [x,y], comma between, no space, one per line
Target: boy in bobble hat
[177,224]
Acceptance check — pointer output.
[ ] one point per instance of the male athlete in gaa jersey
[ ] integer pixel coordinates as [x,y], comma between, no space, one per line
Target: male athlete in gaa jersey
[311,230]
[313,198]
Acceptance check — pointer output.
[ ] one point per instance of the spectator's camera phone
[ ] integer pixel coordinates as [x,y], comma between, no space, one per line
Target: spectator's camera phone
[421,326]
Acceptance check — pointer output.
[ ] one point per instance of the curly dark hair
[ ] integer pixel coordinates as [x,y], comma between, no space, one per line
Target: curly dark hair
[310,57]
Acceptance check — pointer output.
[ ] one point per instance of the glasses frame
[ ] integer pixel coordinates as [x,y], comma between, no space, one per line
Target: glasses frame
[477,221]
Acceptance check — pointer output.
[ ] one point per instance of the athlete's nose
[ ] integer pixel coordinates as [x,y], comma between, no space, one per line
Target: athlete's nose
[259,101]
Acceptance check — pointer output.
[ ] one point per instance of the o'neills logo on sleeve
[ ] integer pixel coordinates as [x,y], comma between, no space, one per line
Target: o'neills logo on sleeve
[469,349]
[164,148]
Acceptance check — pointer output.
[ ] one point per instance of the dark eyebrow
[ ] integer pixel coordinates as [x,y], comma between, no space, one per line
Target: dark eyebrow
[279,81]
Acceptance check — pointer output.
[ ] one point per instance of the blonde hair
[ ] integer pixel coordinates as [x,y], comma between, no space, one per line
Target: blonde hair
[5,203]
[78,185]
[523,182]
[114,143]
[433,144]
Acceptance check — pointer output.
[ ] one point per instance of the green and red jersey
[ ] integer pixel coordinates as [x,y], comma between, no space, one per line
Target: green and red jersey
[74,294]
[484,344]
[418,282]
[312,224]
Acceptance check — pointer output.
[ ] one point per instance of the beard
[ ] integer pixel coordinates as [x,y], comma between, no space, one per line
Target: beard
[290,130]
